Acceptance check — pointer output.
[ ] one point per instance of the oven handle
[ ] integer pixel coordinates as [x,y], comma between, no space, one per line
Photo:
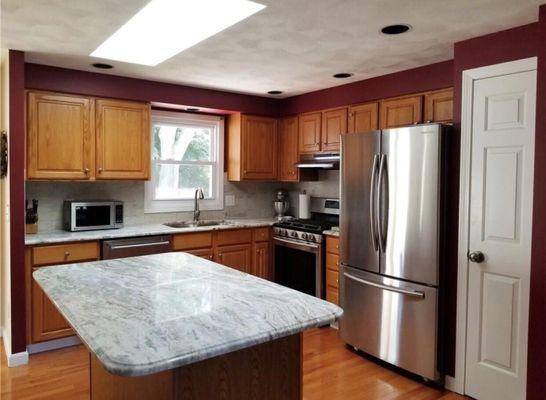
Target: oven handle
[308,247]
[412,293]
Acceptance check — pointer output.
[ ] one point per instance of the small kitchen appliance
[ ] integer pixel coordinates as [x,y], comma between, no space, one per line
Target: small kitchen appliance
[92,215]
[281,203]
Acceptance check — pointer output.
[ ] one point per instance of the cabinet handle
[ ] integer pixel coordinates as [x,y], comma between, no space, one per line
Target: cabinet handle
[100,170]
[337,246]
[86,170]
[428,121]
[67,254]
[220,255]
[210,257]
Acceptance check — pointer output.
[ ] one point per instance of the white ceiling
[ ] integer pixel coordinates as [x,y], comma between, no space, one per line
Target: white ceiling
[292,45]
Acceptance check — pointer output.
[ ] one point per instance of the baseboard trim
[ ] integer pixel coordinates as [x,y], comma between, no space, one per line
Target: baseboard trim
[454,385]
[18,359]
[53,344]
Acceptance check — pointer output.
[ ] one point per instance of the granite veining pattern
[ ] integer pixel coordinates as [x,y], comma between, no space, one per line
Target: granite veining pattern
[148,314]
[60,236]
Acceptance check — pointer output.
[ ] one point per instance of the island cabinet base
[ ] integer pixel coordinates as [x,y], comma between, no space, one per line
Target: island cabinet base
[268,371]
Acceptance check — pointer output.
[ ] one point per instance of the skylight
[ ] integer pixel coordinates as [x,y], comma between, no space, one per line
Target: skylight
[164,28]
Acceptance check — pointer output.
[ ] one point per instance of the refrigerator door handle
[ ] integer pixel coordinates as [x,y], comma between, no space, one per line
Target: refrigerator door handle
[412,293]
[382,235]
[373,214]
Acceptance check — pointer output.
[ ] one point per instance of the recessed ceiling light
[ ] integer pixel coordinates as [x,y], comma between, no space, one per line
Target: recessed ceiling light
[164,28]
[274,92]
[396,29]
[102,66]
[343,75]
[192,109]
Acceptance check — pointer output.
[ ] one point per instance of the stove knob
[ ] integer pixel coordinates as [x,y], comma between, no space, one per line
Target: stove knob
[305,236]
[294,234]
[312,238]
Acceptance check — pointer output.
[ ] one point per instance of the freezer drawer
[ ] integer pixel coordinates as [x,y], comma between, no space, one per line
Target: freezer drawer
[390,319]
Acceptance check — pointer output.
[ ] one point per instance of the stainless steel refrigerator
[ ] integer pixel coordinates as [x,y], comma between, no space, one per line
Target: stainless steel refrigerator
[390,224]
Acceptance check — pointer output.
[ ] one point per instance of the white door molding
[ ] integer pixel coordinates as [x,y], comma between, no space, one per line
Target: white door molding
[457,383]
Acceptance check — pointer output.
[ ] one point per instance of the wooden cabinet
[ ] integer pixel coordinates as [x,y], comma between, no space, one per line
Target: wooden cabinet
[236,256]
[334,123]
[83,138]
[309,133]
[203,253]
[252,148]
[288,150]
[191,241]
[439,106]
[123,139]
[363,118]
[44,321]
[261,260]
[332,269]
[60,136]
[400,111]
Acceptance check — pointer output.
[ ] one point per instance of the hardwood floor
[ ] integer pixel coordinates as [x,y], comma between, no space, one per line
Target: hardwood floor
[331,371]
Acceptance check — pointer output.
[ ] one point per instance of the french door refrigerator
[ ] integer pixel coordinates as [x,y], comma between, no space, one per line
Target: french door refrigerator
[391,184]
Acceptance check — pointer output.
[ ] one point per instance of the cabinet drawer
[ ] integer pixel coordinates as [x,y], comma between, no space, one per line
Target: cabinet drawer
[65,253]
[189,241]
[332,278]
[332,295]
[332,245]
[203,253]
[332,261]
[236,236]
[261,234]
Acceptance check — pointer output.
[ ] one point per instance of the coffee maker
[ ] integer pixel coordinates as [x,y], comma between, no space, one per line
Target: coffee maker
[281,203]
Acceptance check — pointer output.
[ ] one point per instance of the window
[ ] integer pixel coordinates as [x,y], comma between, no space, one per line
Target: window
[187,153]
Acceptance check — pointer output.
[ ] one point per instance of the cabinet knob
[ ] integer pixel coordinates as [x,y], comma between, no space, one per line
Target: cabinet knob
[100,170]
[337,246]
[86,170]
[210,257]
[428,121]
[67,254]
[220,255]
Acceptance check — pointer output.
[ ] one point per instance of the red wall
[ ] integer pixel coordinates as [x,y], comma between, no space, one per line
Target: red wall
[17,197]
[44,77]
[429,77]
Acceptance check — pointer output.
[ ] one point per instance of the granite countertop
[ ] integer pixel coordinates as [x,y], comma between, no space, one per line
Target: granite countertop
[60,236]
[331,233]
[148,314]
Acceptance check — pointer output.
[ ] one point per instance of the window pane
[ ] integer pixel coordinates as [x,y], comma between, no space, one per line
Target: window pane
[182,142]
[174,182]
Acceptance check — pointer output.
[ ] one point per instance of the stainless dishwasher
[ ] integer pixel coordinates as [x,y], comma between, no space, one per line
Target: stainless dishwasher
[139,246]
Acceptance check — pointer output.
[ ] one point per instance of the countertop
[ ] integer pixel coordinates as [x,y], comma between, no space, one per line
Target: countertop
[148,314]
[331,233]
[60,236]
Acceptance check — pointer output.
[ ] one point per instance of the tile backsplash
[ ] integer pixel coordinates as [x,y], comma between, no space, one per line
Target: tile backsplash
[252,199]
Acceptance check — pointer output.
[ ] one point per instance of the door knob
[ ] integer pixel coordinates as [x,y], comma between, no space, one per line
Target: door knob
[476,257]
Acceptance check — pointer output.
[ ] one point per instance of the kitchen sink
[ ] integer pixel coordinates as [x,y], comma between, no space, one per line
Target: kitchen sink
[192,224]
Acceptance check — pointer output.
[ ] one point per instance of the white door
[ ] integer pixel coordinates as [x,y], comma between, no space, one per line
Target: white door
[501,203]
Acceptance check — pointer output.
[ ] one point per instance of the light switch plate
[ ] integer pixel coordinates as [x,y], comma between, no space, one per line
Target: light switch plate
[230,200]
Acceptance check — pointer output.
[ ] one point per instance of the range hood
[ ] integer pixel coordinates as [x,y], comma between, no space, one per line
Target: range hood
[319,161]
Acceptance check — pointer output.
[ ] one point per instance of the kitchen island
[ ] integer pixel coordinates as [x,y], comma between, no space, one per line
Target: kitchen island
[175,326]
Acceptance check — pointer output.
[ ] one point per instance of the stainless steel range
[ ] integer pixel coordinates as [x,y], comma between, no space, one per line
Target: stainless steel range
[298,247]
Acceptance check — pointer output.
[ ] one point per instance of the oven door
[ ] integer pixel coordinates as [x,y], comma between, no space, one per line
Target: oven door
[298,265]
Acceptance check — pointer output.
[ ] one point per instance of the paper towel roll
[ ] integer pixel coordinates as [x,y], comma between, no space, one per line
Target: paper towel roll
[304,206]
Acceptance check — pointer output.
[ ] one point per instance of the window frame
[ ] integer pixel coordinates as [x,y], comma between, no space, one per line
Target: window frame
[152,205]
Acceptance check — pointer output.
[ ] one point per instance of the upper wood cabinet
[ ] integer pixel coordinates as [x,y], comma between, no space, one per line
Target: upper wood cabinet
[363,118]
[252,148]
[334,123]
[401,111]
[123,139]
[82,138]
[309,133]
[439,106]
[60,137]
[288,150]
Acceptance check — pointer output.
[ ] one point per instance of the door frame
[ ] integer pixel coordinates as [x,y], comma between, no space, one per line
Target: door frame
[457,383]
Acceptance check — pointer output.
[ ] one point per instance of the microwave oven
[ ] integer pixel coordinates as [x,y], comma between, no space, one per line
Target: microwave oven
[92,215]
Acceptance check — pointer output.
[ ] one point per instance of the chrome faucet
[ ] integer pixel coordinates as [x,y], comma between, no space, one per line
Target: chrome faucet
[196,212]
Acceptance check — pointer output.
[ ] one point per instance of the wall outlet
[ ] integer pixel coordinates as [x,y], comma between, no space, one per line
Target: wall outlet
[230,200]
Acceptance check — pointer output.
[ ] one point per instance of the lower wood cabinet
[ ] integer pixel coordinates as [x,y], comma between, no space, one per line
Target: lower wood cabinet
[236,256]
[332,269]
[261,254]
[44,322]
[203,253]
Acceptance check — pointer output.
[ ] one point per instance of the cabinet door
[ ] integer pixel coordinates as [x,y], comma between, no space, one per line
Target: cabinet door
[439,106]
[123,139]
[60,140]
[203,253]
[334,123]
[363,118]
[259,147]
[47,322]
[236,256]
[260,260]
[309,133]
[288,150]
[401,111]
